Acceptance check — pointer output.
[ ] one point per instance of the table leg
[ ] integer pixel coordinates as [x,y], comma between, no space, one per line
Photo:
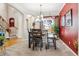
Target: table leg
[29,41]
[54,42]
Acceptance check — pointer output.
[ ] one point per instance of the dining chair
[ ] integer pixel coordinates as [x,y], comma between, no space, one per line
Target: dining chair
[37,38]
[51,39]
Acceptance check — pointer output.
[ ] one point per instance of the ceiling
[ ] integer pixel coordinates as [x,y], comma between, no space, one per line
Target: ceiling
[47,9]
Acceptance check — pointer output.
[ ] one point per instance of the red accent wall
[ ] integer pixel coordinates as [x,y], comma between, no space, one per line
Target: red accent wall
[70,34]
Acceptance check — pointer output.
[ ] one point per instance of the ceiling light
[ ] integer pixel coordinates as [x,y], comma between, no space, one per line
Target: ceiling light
[29,15]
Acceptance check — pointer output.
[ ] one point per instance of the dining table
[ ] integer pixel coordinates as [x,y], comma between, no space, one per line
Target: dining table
[45,33]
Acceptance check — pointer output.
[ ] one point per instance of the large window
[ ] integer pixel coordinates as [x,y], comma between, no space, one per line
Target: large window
[69,18]
[48,23]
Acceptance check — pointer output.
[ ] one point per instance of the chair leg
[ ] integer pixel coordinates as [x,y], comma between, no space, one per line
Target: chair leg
[54,42]
[40,48]
[33,47]
[41,45]
[29,41]
[47,46]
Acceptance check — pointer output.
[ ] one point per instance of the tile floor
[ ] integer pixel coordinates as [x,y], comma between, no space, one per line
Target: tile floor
[21,49]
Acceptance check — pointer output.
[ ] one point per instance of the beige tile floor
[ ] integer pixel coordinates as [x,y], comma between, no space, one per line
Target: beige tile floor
[21,49]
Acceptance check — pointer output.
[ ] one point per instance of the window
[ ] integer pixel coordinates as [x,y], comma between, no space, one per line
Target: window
[63,21]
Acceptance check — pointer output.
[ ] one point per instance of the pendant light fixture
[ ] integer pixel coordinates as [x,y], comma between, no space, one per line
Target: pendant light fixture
[41,14]
[41,17]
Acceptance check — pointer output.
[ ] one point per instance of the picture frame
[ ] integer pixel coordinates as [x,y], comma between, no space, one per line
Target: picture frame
[68,18]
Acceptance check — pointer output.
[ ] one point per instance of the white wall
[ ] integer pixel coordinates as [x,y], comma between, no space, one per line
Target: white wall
[20,25]
[3,10]
[27,25]
[18,16]
[30,21]
[25,32]
[3,14]
[7,11]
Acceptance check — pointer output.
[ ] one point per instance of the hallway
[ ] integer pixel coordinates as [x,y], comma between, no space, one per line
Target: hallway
[35,24]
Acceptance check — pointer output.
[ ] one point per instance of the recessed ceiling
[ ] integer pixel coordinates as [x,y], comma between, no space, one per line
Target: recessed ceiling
[47,9]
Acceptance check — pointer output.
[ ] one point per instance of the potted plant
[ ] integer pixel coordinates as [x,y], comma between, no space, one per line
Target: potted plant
[56,29]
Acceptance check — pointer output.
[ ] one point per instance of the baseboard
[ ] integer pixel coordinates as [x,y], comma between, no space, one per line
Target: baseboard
[69,48]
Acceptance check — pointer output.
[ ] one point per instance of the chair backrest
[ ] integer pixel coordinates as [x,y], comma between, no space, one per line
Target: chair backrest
[36,33]
[50,35]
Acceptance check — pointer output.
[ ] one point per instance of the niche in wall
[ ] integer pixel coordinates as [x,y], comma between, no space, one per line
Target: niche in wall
[11,22]
[16,21]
